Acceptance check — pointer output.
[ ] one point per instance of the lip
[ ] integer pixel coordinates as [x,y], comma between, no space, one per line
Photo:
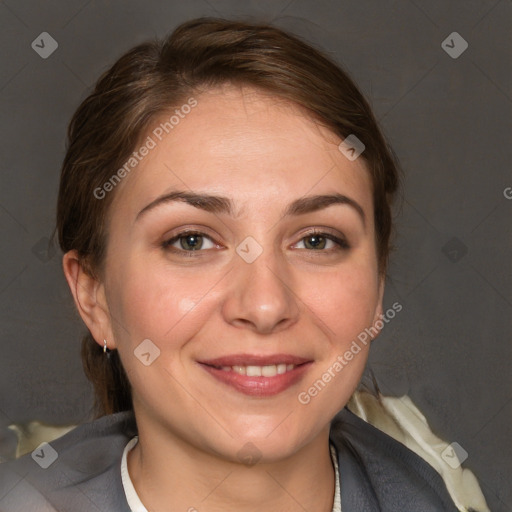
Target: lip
[257,386]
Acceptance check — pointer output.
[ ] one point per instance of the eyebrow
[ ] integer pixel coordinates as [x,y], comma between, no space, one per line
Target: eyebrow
[310,204]
[219,204]
[207,202]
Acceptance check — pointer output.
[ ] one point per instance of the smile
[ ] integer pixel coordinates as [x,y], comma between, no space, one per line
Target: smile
[259,376]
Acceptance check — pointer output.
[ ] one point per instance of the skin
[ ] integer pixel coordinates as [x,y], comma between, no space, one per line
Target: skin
[262,153]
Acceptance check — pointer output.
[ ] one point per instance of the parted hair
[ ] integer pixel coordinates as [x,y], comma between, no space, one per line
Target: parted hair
[159,75]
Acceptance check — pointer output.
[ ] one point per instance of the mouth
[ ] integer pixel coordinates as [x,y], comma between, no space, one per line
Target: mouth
[259,376]
[270,370]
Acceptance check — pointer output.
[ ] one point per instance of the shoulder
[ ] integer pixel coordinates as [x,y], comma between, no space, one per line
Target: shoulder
[379,473]
[72,472]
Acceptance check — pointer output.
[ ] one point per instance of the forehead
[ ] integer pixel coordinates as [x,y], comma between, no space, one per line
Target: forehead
[243,143]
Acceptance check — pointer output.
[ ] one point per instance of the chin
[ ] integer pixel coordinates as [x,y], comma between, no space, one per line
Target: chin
[271,442]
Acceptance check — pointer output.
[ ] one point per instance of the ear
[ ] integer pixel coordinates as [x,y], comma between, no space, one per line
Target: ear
[90,300]
[379,310]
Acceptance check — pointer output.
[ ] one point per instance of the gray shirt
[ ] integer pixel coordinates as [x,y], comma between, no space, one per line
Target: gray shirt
[83,471]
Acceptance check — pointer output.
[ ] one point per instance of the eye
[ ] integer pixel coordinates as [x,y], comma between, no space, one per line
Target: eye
[320,241]
[189,241]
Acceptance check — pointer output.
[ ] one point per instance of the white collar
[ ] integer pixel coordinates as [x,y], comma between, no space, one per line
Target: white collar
[131,494]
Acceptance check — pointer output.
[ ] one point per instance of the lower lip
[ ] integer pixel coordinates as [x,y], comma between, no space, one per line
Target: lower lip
[259,386]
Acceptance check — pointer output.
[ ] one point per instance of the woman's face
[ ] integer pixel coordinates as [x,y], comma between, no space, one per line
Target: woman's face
[266,264]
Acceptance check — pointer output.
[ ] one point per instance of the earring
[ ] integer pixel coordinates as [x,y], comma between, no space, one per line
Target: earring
[106,350]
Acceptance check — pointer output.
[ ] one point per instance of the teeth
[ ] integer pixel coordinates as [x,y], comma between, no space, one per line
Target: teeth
[281,368]
[240,369]
[260,371]
[253,371]
[269,371]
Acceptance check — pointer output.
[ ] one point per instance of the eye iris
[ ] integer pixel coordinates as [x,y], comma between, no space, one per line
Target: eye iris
[315,242]
[191,242]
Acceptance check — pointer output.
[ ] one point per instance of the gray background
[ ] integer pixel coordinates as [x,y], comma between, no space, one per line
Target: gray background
[449,121]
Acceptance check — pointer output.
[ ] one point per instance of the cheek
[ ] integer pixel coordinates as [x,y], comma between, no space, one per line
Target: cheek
[345,301]
[152,301]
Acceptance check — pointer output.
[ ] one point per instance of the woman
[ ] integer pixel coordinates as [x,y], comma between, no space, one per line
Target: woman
[224,211]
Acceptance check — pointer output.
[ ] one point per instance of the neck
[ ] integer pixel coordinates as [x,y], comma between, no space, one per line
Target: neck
[170,474]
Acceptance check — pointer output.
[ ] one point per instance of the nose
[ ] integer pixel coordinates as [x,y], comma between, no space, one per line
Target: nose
[261,297]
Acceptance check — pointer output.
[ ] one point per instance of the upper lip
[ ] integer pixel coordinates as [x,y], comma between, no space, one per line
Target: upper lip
[255,360]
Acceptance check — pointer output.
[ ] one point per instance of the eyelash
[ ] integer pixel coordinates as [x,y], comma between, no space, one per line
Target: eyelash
[342,244]
[166,245]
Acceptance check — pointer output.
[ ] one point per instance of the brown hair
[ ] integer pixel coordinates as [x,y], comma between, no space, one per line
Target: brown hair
[157,76]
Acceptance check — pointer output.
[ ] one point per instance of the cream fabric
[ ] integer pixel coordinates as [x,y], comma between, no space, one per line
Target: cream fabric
[31,435]
[403,421]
